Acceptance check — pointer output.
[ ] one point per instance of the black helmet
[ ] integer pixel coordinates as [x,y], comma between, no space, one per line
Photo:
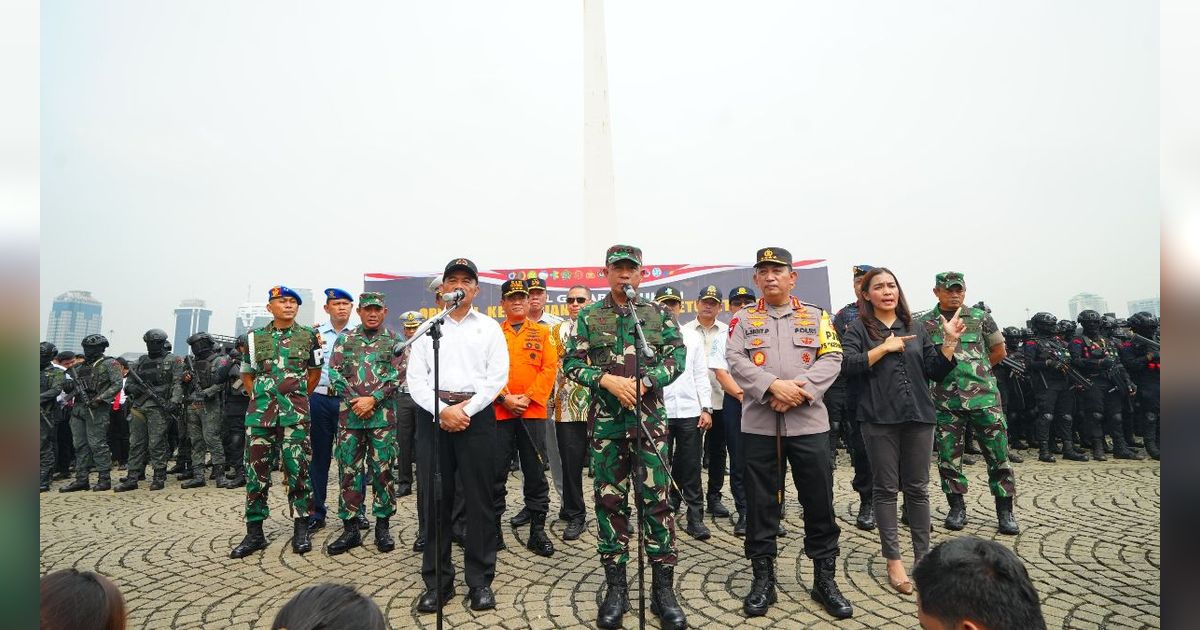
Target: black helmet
[200,338]
[242,340]
[155,335]
[1065,327]
[983,307]
[1043,322]
[1143,323]
[1089,318]
[1108,322]
[48,350]
[95,340]
[1011,332]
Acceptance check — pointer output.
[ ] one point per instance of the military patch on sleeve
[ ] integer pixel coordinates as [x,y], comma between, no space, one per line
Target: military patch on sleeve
[806,358]
[759,357]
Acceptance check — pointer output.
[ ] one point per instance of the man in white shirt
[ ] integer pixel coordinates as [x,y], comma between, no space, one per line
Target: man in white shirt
[472,370]
[711,329]
[687,401]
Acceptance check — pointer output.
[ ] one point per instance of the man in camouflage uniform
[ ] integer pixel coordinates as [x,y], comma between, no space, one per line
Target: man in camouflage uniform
[94,384]
[1143,361]
[204,408]
[51,380]
[155,394]
[281,367]
[601,356]
[364,377]
[969,395]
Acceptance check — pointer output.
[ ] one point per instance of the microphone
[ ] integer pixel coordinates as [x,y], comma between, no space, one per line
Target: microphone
[629,292]
[455,296]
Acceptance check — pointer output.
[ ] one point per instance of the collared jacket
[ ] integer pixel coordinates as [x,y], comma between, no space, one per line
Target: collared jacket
[363,365]
[971,384]
[532,364]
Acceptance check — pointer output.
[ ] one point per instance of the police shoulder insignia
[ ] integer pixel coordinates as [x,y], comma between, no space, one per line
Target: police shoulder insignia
[732,324]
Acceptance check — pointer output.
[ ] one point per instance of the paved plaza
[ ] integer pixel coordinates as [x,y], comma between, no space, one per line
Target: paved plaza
[1090,539]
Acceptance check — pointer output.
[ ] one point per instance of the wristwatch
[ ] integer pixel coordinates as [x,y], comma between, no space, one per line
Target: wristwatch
[500,398]
[707,410]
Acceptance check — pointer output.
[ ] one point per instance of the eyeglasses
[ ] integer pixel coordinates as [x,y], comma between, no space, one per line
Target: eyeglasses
[576,300]
[740,303]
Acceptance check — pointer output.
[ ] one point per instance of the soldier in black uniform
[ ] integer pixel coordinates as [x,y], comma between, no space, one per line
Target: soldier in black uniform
[155,397]
[1102,403]
[51,380]
[233,415]
[1012,394]
[1046,357]
[1141,357]
[842,402]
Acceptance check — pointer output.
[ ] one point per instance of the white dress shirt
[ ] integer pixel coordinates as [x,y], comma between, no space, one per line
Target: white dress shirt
[716,357]
[473,358]
[710,335]
[682,398]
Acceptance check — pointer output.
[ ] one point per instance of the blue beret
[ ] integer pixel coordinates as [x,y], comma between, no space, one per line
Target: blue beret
[279,291]
[338,294]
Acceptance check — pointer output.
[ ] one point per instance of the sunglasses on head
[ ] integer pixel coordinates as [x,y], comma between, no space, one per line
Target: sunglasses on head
[576,300]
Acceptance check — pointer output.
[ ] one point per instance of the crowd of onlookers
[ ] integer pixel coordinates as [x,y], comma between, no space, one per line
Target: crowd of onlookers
[966,582]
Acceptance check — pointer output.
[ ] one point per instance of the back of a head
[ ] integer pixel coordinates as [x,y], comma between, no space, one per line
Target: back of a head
[980,581]
[75,600]
[329,606]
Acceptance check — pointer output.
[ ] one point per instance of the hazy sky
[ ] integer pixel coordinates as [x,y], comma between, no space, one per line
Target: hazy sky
[194,149]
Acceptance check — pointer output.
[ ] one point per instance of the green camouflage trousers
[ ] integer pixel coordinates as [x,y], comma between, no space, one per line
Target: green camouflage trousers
[373,450]
[147,432]
[611,470]
[991,432]
[293,445]
[204,431]
[89,435]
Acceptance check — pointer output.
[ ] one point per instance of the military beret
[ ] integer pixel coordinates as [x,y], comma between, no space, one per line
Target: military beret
[861,270]
[623,252]
[280,291]
[948,279]
[774,256]
[742,293]
[710,292]
[337,294]
[461,264]
[667,293]
[411,319]
[535,283]
[371,298]
[514,286]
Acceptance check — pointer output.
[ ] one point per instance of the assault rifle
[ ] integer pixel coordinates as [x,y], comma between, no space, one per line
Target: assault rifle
[162,404]
[1056,357]
[1014,366]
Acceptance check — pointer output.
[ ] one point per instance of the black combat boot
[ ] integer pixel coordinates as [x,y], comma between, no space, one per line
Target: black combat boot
[762,589]
[1151,437]
[253,541]
[825,589]
[1072,454]
[739,528]
[866,516]
[956,519]
[383,537]
[102,484]
[178,467]
[1098,449]
[197,480]
[136,475]
[75,486]
[539,543]
[662,597]
[238,479]
[301,543]
[1121,450]
[695,524]
[186,472]
[349,539]
[128,482]
[1042,429]
[1004,516]
[616,600]
[717,509]
[160,479]
[523,517]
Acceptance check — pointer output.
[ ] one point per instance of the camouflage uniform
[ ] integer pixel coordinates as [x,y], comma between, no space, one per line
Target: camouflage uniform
[101,382]
[278,417]
[204,412]
[148,420]
[362,364]
[969,394]
[51,380]
[604,343]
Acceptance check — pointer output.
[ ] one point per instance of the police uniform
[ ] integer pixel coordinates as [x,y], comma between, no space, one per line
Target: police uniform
[1045,355]
[406,413]
[769,342]
[324,403]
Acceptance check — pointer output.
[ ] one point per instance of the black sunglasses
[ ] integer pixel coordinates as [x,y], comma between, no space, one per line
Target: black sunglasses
[576,300]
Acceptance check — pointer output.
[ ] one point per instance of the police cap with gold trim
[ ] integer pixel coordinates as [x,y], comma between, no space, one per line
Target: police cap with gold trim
[773,256]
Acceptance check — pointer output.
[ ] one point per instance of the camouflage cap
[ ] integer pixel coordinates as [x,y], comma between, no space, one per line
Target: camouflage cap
[742,293]
[710,292]
[773,256]
[664,294]
[947,279]
[623,252]
[411,319]
[535,283]
[371,298]
[512,287]
[861,270]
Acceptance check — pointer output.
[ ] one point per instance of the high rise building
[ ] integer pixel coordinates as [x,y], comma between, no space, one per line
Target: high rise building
[250,316]
[1085,301]
[1149,304]
[190,318]
[73,316]
[308,308]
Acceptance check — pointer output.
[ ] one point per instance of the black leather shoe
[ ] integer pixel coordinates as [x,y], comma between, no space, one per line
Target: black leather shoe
[482,598]
[75,486]
[383,536]
[739,528]
[574,529]
[956,519]
[825,589]
[349,539]
[866,516]
[301,543]
[718,509]
[430,601]
[253,541]
[403,490]
[762,589]
[419,544]
[520,519]
[696,528]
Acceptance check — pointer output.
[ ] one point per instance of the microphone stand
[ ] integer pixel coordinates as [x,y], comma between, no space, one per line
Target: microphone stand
[433,327]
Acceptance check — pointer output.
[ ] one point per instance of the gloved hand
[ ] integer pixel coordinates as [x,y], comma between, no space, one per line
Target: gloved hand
[1107,362]
[69,387]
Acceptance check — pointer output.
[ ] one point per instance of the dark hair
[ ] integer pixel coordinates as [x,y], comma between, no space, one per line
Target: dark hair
[123,361]
[329,606]
[579,286]
[74,600]
[980,580]
[866,311]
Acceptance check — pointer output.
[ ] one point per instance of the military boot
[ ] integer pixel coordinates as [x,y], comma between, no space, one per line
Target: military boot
[956,519]
[1151,437]
[178,467]
[662,597]
[695,524]
[825,589]
[1070,453]
[1121,450]
[75,486]
[1098,449]
[616,600]
[1015,457]
[301,543]
[500,546]
[136,475]
[866,516]
[383,537]
[102,484]
[129,482]
[160,479]
[1044,454]
[186,472]
[197,480]
[238,479]
[253,541]
[762,589]
[350,538]
[1004,516]
[539,543]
